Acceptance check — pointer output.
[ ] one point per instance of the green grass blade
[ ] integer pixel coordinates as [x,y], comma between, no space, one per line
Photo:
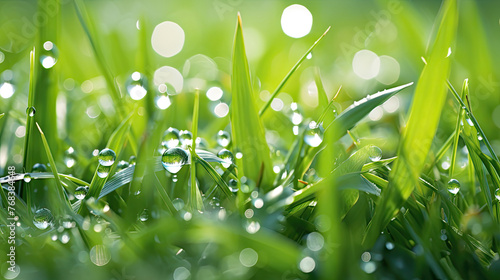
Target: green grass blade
[62,199]
[216,177]
[417,137]
[285,79]
[322,96]
[26,194]
[195,198]
[115,143]
[247,129]
[465,92]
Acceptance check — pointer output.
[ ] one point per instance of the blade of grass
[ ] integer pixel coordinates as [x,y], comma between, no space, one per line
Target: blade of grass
[417,137]
[465,92]
[247,129]
[285,79]
[195,198]
[26,194]
[62,199]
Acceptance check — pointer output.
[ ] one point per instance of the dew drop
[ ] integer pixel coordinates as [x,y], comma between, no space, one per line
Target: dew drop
[170,138]
[137,86]
[107,157]
[132,160]
[226,156]
[144,215]
[31,111]
[497,194]
[223,138]
[375,153]
[27,178]
[81,192]
[233,185]
[122,164]
[186,138]
[43,218]
[453,186]
[49,55]
[103,171]
[39,167]
[178,203]
[99,255]
[173,159]
[314,134]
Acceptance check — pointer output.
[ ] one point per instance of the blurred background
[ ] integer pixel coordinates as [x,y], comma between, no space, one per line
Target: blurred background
[182,45]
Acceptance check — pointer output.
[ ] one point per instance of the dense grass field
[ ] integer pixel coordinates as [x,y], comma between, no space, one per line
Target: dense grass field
[233,139]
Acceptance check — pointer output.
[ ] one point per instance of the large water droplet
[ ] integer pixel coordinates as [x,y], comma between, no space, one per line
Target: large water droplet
[233,185]
[81,192]
[227,157]
[375,153]
[137,86]
[170,138]
[314,134]
[107,157]
[186,138]
[39,167]
[453,186]
[173,159]
[49,55]
[223,138]
[103,171]
[43,218]
[178,203]
[30,111]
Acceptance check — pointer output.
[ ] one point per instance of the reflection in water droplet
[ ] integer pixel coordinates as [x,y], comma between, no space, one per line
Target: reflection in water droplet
[178,203]
[39,167]
[103,171]
[144,215]
[314,134]
[99,255]
[453,186]
[121,165]
[30,111]
[173,159]
[81,192]
[375,153]
[226,156]
[27,178]
[107,157]
[43,218]
[49,55]
[223,138]
[137,85]
[186,138]
[170,138]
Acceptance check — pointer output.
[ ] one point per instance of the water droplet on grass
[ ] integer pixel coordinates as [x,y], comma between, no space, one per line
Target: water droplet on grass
[81,192]
[121,165]
[375,153]
[497,194]
[186,138]
[233,185]
[453,186]
[170,138]
[137,86]
[103,171]
[144,215]
[39,167]
[49,55]
[227,157]
[31,111]
[27,178]
[178,203]
[43,218]
[107,157]
[223,138]
[314,134]
[173,159]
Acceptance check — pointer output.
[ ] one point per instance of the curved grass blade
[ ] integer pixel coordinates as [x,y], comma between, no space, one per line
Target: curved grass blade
[285,79]
[195,198]
[417,137]
[62,199]
[247,128]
